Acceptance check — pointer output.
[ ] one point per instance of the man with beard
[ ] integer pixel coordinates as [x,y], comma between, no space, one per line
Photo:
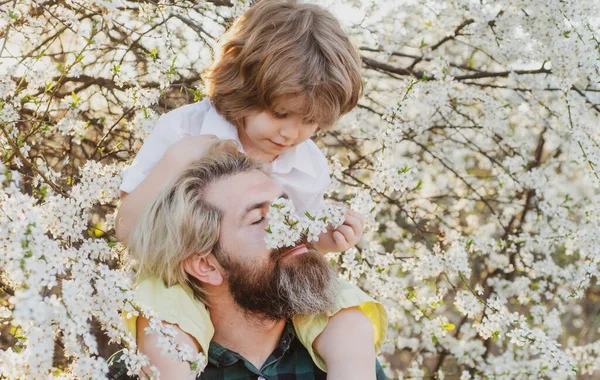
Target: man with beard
[207,232]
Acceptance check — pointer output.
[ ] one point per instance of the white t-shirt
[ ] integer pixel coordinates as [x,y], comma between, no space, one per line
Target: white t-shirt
[302,170]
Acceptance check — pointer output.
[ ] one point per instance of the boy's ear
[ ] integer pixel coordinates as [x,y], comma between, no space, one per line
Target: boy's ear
[205,268]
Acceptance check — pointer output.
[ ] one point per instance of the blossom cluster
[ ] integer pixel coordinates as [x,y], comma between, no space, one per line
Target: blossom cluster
[286,228]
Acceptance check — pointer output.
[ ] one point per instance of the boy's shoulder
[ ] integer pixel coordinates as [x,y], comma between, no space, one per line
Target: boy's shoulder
[192,110]
[188,118]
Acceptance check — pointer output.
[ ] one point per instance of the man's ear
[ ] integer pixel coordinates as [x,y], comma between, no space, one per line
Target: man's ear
[205,268]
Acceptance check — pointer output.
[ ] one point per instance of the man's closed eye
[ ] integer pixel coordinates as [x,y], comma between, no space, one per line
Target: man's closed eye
[259,220]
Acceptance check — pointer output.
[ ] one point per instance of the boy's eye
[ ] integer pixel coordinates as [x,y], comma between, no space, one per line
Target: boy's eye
[259,221]
[280,115]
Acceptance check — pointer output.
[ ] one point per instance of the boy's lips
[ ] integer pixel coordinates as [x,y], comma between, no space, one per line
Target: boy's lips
[279,145]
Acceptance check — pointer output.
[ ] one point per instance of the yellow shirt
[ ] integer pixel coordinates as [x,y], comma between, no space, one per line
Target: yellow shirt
[177,305]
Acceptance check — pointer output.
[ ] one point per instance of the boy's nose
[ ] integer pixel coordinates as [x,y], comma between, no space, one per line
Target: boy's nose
[289,131]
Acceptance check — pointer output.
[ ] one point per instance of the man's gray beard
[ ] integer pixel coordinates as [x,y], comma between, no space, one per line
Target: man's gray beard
[310,285]
[302,285]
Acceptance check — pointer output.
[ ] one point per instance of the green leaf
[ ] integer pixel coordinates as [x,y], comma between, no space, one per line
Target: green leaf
[15,331]
[404,170]
[198,95]
[115,69]
[309,216]
[419,185]
[41,192]
[495,335]
[75,99]
[172,70]
[471,62]
[153,54]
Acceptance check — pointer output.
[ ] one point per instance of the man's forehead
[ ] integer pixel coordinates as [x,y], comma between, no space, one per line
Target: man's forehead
[234,193]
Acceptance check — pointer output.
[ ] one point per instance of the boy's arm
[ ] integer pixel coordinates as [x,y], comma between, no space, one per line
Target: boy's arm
[175,160]
[348,338]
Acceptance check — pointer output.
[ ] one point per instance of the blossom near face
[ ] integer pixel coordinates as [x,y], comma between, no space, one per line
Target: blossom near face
[268,134]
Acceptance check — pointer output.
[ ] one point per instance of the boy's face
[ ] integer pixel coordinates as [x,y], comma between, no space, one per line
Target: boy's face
[272,133]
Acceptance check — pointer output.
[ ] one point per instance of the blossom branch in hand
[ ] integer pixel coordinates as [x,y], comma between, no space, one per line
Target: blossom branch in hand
[286,228]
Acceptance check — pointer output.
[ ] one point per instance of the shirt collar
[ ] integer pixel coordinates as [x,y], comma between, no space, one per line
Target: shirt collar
[215,124]
[221,356]
[298,157]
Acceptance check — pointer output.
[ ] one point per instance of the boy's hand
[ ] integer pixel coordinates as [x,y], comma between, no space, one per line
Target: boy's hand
[191,149]
[345,236]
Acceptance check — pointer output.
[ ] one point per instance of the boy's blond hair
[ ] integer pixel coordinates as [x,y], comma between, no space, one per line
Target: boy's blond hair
[180,223]
[280,50]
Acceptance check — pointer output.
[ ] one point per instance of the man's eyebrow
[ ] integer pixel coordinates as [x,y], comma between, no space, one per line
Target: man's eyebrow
[261,205]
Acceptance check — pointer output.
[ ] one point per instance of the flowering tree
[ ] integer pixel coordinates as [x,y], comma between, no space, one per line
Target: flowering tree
[473,153]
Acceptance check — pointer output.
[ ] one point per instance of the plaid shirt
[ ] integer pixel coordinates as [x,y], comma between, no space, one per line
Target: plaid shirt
[289,361]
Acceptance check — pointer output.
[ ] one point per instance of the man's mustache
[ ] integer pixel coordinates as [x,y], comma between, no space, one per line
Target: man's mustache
[277,253]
